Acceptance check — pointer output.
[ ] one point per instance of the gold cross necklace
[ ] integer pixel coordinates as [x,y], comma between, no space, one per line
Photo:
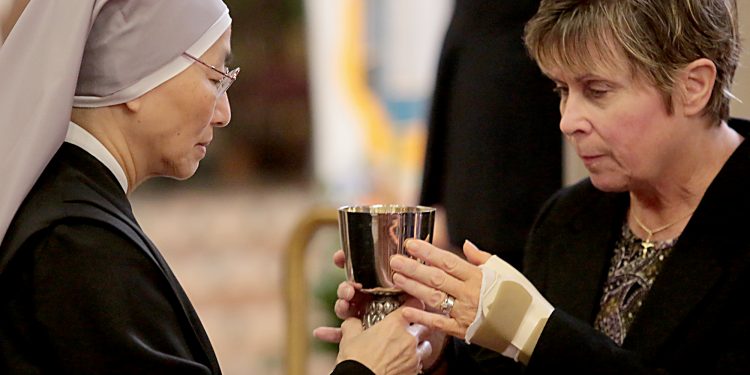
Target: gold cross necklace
[647,244]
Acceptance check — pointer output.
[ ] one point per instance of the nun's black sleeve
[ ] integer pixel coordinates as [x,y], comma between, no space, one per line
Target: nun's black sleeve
[350,367]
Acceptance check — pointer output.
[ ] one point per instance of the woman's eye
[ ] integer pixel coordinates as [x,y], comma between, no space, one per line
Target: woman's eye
[561,91]
[596,93]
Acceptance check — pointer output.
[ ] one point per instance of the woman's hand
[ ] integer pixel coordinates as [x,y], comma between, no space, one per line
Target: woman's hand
[442,275]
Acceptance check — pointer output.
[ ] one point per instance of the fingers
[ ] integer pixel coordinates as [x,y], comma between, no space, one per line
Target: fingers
[343,309]
[328,334]
[450,263]
[474,255]
[434,321]
[419,331]
[424,350]
[350,302]
[345,291]
[461,313]
[429,276]
[444,274]
[339,258]
[397,317]
[343,306]
[432,297]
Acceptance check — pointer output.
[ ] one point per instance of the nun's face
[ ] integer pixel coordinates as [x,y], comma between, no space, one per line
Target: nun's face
[177,119]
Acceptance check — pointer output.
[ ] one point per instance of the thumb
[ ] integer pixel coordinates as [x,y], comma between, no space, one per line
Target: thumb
[328,334]
[474,255]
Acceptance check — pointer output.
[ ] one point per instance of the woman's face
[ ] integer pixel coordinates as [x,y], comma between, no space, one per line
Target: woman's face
[176,120]
[618,124]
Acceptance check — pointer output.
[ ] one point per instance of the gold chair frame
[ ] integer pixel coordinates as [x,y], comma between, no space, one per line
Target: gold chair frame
[295,287]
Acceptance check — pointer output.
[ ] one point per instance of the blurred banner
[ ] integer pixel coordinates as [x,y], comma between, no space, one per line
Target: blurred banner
[372,71]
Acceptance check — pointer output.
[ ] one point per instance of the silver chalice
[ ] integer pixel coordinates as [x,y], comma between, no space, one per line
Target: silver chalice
[370,235]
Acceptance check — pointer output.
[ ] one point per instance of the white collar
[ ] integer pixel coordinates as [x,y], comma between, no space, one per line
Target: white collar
[83,139]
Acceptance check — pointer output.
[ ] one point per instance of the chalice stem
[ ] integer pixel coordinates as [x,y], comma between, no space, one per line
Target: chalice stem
[379,307]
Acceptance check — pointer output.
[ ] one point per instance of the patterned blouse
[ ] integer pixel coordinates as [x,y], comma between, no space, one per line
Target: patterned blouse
[630,276]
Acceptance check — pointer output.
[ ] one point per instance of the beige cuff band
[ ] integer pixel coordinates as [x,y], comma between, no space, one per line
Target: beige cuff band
[512,312]
[503,317]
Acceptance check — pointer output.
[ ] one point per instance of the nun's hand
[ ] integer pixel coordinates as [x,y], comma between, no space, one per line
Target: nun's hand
[447,284]
[350,303]
[391,346]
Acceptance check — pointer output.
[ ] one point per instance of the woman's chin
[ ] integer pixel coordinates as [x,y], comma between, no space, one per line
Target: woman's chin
[609,184]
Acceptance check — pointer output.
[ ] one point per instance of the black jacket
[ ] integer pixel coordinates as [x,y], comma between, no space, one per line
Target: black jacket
[694,320]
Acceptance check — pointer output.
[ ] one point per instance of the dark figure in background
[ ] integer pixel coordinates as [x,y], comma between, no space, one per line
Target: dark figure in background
[493,150]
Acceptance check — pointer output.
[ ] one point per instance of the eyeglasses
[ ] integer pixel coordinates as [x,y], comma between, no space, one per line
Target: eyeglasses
[227,79]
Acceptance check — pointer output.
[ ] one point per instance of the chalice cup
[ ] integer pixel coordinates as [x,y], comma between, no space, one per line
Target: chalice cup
[370,235]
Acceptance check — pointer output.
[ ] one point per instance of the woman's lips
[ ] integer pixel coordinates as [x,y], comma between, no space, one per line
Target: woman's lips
[589,160]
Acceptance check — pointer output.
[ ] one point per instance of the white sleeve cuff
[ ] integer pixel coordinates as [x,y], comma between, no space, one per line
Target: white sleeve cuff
[511,313]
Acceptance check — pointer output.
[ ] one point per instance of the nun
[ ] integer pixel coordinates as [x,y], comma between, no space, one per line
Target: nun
[97,97]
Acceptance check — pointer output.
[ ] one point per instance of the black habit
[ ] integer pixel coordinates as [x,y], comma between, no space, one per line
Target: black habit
[84,291]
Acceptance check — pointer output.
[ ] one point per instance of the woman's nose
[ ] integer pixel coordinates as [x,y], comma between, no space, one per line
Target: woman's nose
[572,119]
[222,111]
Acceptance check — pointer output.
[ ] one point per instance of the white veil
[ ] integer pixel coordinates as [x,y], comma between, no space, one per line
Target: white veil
[122,49]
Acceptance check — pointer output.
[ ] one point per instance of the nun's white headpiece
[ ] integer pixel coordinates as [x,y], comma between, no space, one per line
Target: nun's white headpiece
[86,53]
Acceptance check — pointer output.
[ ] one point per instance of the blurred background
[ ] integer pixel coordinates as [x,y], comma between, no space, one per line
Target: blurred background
[329,110]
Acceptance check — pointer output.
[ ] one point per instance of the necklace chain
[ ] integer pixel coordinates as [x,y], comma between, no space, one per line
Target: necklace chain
[647,244]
